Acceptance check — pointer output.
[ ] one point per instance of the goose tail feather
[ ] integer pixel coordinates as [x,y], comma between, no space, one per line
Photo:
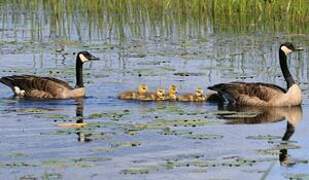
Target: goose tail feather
[8,81]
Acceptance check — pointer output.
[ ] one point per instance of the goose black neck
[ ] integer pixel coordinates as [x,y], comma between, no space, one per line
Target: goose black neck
[79,73]
[284,68]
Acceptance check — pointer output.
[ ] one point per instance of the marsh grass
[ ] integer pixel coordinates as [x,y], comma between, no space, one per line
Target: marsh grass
[123,19]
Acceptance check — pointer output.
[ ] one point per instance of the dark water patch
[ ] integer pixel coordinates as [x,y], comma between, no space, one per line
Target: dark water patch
[189,134]
[166,124]
[139,170]
[66,163]
[203,136]
[198,163]
[17,164]
[17,154]
[188,74]
[52,176]
[294,176]
[114,146]
[28,177]
[153,63]
[114,116]
[264,137]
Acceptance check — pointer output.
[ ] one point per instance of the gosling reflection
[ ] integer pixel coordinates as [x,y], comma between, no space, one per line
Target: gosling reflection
[254,115]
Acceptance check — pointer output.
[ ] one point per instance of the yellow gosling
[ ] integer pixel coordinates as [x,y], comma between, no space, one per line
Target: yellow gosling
[160,95]
[172,91]
[142,90]
[198,96]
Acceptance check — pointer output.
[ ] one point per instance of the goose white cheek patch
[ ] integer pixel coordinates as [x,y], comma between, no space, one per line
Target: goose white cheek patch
[83,58]
[286,50]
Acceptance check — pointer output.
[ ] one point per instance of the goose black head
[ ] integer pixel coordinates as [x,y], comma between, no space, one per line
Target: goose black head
[85,56]
[288,47]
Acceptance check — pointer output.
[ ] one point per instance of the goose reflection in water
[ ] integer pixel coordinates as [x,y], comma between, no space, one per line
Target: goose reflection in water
[82,137]
[292,121]
[79,124]
[256,115]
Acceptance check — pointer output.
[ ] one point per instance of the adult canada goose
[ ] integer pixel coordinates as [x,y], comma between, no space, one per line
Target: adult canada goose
[263,94]
[30,86]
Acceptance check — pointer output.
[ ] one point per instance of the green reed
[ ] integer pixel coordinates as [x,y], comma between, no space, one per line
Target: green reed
[120,19]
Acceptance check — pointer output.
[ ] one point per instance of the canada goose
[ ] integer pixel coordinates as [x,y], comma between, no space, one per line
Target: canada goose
[133,95]
[172,91]
[263,94]
[30,86]
[198,96]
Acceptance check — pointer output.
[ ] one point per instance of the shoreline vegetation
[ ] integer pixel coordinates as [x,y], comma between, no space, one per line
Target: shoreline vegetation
[109,19]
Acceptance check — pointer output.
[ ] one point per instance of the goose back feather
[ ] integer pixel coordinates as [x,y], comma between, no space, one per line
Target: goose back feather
[255,94]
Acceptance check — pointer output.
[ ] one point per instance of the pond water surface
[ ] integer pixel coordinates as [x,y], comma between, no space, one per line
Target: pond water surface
[148,140]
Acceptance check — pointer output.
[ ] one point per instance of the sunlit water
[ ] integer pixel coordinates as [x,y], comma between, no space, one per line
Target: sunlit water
[151,140]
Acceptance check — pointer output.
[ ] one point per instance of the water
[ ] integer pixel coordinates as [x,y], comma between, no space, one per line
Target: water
[147,140]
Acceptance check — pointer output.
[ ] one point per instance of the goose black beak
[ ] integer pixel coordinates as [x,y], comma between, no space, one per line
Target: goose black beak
[93,58]
[299,49]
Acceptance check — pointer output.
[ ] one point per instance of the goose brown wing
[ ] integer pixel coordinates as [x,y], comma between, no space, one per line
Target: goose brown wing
[30,82]
[272,86]
[235,91]
[59,82]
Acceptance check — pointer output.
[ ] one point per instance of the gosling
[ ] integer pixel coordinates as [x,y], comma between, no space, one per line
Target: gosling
[172,91]
[198,96]
[159,95]
[142,90]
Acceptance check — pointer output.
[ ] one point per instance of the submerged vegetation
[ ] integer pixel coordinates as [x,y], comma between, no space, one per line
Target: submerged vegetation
[109,19]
